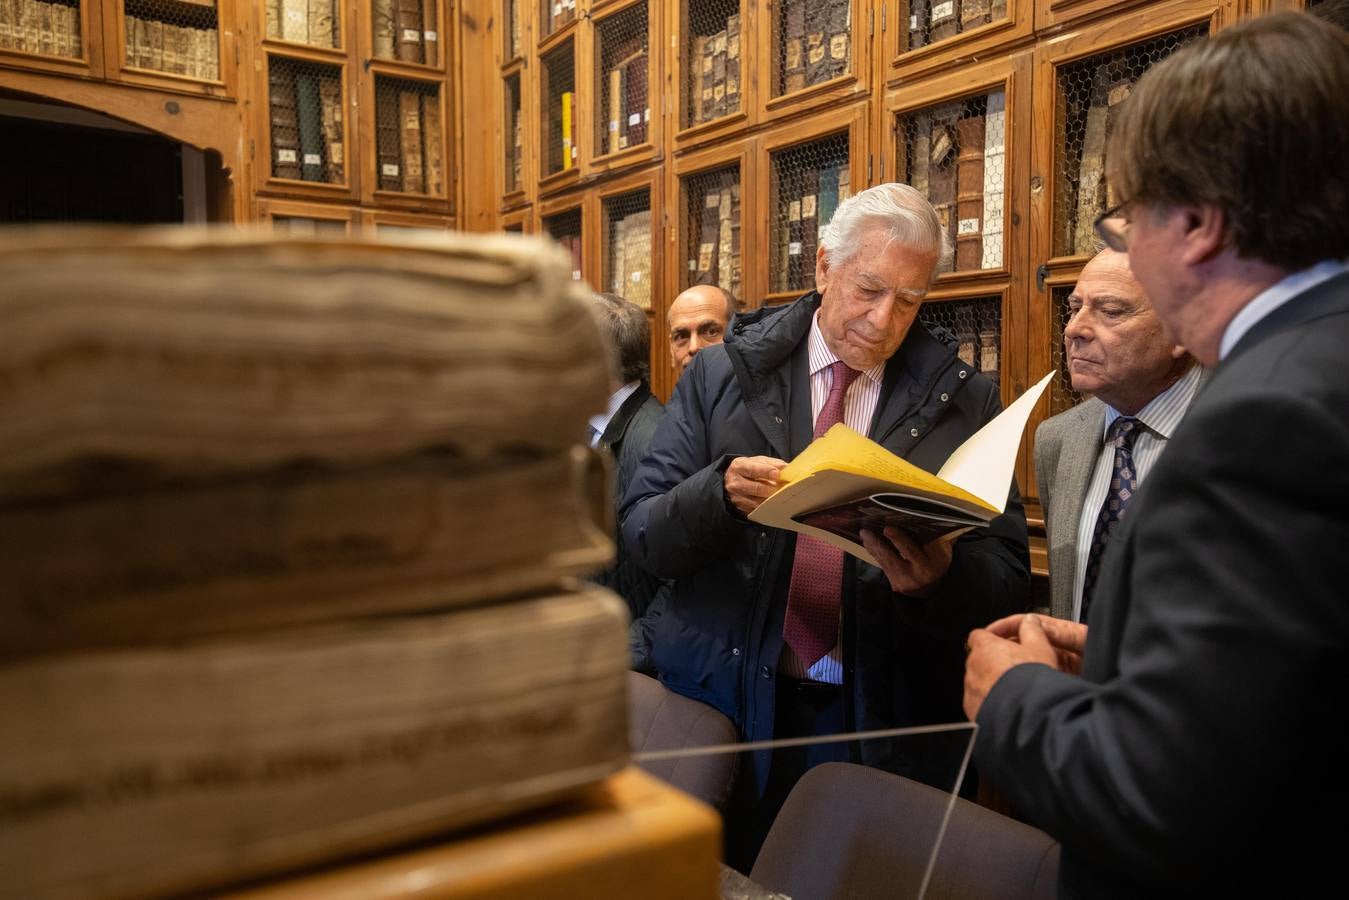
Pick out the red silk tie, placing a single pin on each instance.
(811, 626)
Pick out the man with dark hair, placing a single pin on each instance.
(1333, 11)
(1189, 746)
(625, 429)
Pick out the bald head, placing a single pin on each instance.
(697, 319)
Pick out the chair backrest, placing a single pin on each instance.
(851, 831)
(660, 719)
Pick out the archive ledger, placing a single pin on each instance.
(844, 483)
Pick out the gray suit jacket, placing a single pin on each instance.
(1066, 449)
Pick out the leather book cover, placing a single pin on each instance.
(698, 111)
(942, 159)
(410, 125)
(322, 23)
(334, 136)
(945, 20)
(295, 21)
(407, 30)
(708, 106)
(272, 12)
(839, 28)
(719, 74)
(382, 15)
(387, 141)
(794, 46)
(733, 63)
(431, 37)
(970, 193)
(285, 124)
(995, 175)
(709, 226)
(974, 13)
(310, 111)
(727, 216)
(636, 104)
(433, 137)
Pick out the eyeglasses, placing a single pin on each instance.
(1113, 228)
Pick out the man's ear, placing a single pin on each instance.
(1203, 232)
(821, 270)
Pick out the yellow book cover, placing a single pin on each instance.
(567, 142)
(844, 483)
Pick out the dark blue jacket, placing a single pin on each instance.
(720, 637)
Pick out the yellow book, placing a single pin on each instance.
(844, 483)
(568, 144)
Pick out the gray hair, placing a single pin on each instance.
(629, 333)
(901, 210)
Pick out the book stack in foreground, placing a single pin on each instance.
(287, 527)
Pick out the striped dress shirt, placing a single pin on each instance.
(859, 405)
(1159, 419)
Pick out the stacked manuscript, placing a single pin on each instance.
(313, 22)
(33, 26)
(714, 222)
(630, 257)
(814, 41)
(715, 67)
(286, 534)
(164, 47)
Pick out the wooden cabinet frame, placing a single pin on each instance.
(269, 209)
(364, 43)
(371, 193)
(262, 148)
(556, 206)
(976, 43)
(850, 120)
(521, 220)
(650, 148)
(853, 83)
(551, 183)
(510, 199)
(741, 154)
(371, 219)
(91, 63)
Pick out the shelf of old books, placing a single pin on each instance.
(712, 203)
(167, 42)
(804, 181)
(1084, 90)
(628, 241)
(814, 57)
(513, 134)
(409, 156)
(408, 31)
(934, 33)
(312, 23)
(50, 29)
(711, 69)
(954, 149)
(974, 325)
(306, 134)
(565, 225)
(554, 15)
(559, 130)
(623, 128)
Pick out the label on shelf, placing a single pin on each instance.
(693, 265)
(646, 116)
(575, 274)
(794, 248)
(838, 46)
(430, 36)
(286, 156)
(636, 277)
(794, 211)
(412, 36)
(968, 226)
(808, 207)
(634, 119)
(557, 10)
(613, 124)
(313, 159)
(913, 23)
(712, 201)
(390, 170)
(942, 11)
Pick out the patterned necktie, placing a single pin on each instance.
(811, 626)
(1123, 485)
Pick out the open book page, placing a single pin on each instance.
(983, 464)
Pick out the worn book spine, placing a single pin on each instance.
(942, 176)
(638, 257)
(431, 38)
(719, 51)
(794, 46)
(8, 18)
(76, 42)
(235, 758)
(309, 109)
(44, 28)
(974, 13)
(839, 31)
(810, 222)
(1091, 174)
(408, 30)
(434, 137)
(614, 127)
(708, 89)
(334, 132)
(731, 280)
(382, 16)
(169, 57)
(733, 63)
(617, 255)
(970, 193)
(295, 21)
(995, 175)
(1119, 89)
(410, 122)
(27, 30)
(388, 141)
(272, 12)
(726, 218)
(920, 153)
(945, 20)
(708, 228)
(817, 44)
(285, 124)
(568, 100)
(998, 10)
(636, 104)
(697, 53)
(322, 16)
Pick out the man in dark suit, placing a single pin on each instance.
(625, 429)
(1141, 383)
(1191, 744)
(783, 634)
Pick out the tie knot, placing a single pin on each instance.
(843, 375)
(1123, 431)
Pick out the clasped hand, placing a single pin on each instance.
(1018, 639)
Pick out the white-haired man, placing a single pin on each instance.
(780, 633)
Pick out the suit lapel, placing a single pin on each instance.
(1077, 459)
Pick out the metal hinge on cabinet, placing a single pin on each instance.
(883, 9)
(251, 148)
(1040, 275)
(871, 23)
(868, 169)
